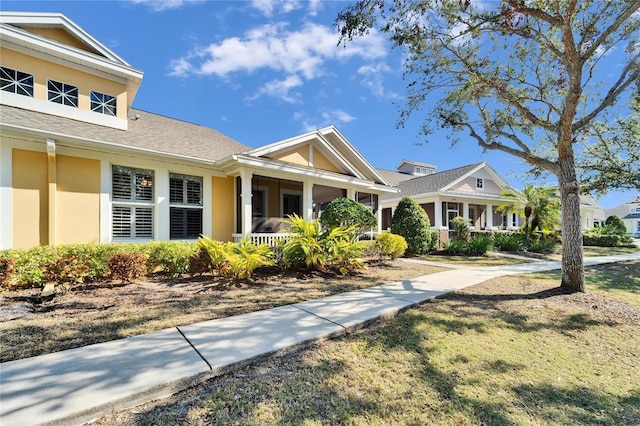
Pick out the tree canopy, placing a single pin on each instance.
(522, 77)
(539, 206)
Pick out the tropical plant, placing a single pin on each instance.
(527, 78)
(411, 221)
(245, 257)
(217, 251)
(539, 206)
(304, 247)
(345, 212)
(508, 241)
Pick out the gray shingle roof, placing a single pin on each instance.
(149, 132)
(431, 183)
(393, 177)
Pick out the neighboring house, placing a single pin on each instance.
(472, 191)
(629, 212)
(78, 164)
(591, 214)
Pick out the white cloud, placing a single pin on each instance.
(302, 53)
(372, 79)
(281, 89)
(271, 7)
(162, 5)
(334, 117)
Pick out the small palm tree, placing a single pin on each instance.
(540, 206)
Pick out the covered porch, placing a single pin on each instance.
(263, 200)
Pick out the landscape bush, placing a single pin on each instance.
(411, 221)
(479, 245)
(345, 212)
(390, 245)
(460, 229)
(311, 248)
(127, 267)
(67, 271)
(7, 271)
(596, 238)
(170, 258)
(614, 225)
(245, 257)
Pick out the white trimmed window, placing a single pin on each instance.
(185, 206)
(104, 104)
(480, 183)
(15, 81)
(62, 93)
(133, 203)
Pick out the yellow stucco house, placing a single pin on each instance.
(78, 164)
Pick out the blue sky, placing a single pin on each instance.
(263, 70)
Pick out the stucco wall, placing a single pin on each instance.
(222, 208)
(30, 198)
(77, 200)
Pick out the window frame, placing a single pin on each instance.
(480, 183)
(185, 206)
(101, 104)
(16, 82)
(66, 94)
(140, 204)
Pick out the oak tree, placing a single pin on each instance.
(519, 76)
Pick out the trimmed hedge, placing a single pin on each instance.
(607, 240)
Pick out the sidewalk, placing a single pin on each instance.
(78, 385)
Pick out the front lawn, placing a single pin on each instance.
(513, 350)
(101, 312)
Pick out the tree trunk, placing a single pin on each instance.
(572, 257)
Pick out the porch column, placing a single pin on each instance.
(52, 189)
(245, 196)
(465, 210)
(489, 216)
(379, 215)
(437, 207)
(351, 193)
(307, 200)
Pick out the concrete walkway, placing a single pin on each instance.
(78, 385)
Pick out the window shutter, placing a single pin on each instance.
(144, 187)
(144, 222)
(194, 222)
(121, 185)
(194, 192)
(121, 222)
(176, 190)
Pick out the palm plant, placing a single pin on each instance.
(540, 206)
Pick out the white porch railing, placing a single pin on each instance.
(268, 238)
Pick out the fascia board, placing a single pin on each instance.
(23, 40)
(355, 153)
(111, 147)
(463, 177)
(496, 177)
(234, 162)
(59, 20)
(295, 141)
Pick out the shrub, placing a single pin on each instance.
(344, 212)
(544, 244)
(200, 262)
(607, 240)
(479, 245)
(455, 247)
(127, 267)
(169, 257)
(94, 256)
(460, 229)
(66, 271)
(508, 241)
(390, 245)
(412, 222)
(7, 270)
(614, 225)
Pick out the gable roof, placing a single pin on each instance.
(331, 143)
(147, 132)
(95, 59)
(415, 163)
(434, 182)
(394, 177)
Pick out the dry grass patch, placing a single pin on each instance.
(102, 312)
(513, 350)
(475, 261)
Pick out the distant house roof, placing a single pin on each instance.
(588, 200)
(432, 183)
(393, 177)
(146, 132)
(415, 163)
(634, 200)
(631, 216)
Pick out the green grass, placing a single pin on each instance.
(508, 351)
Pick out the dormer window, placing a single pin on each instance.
(104, 104)
(15, 81)
(480, 183)
(62, 93)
